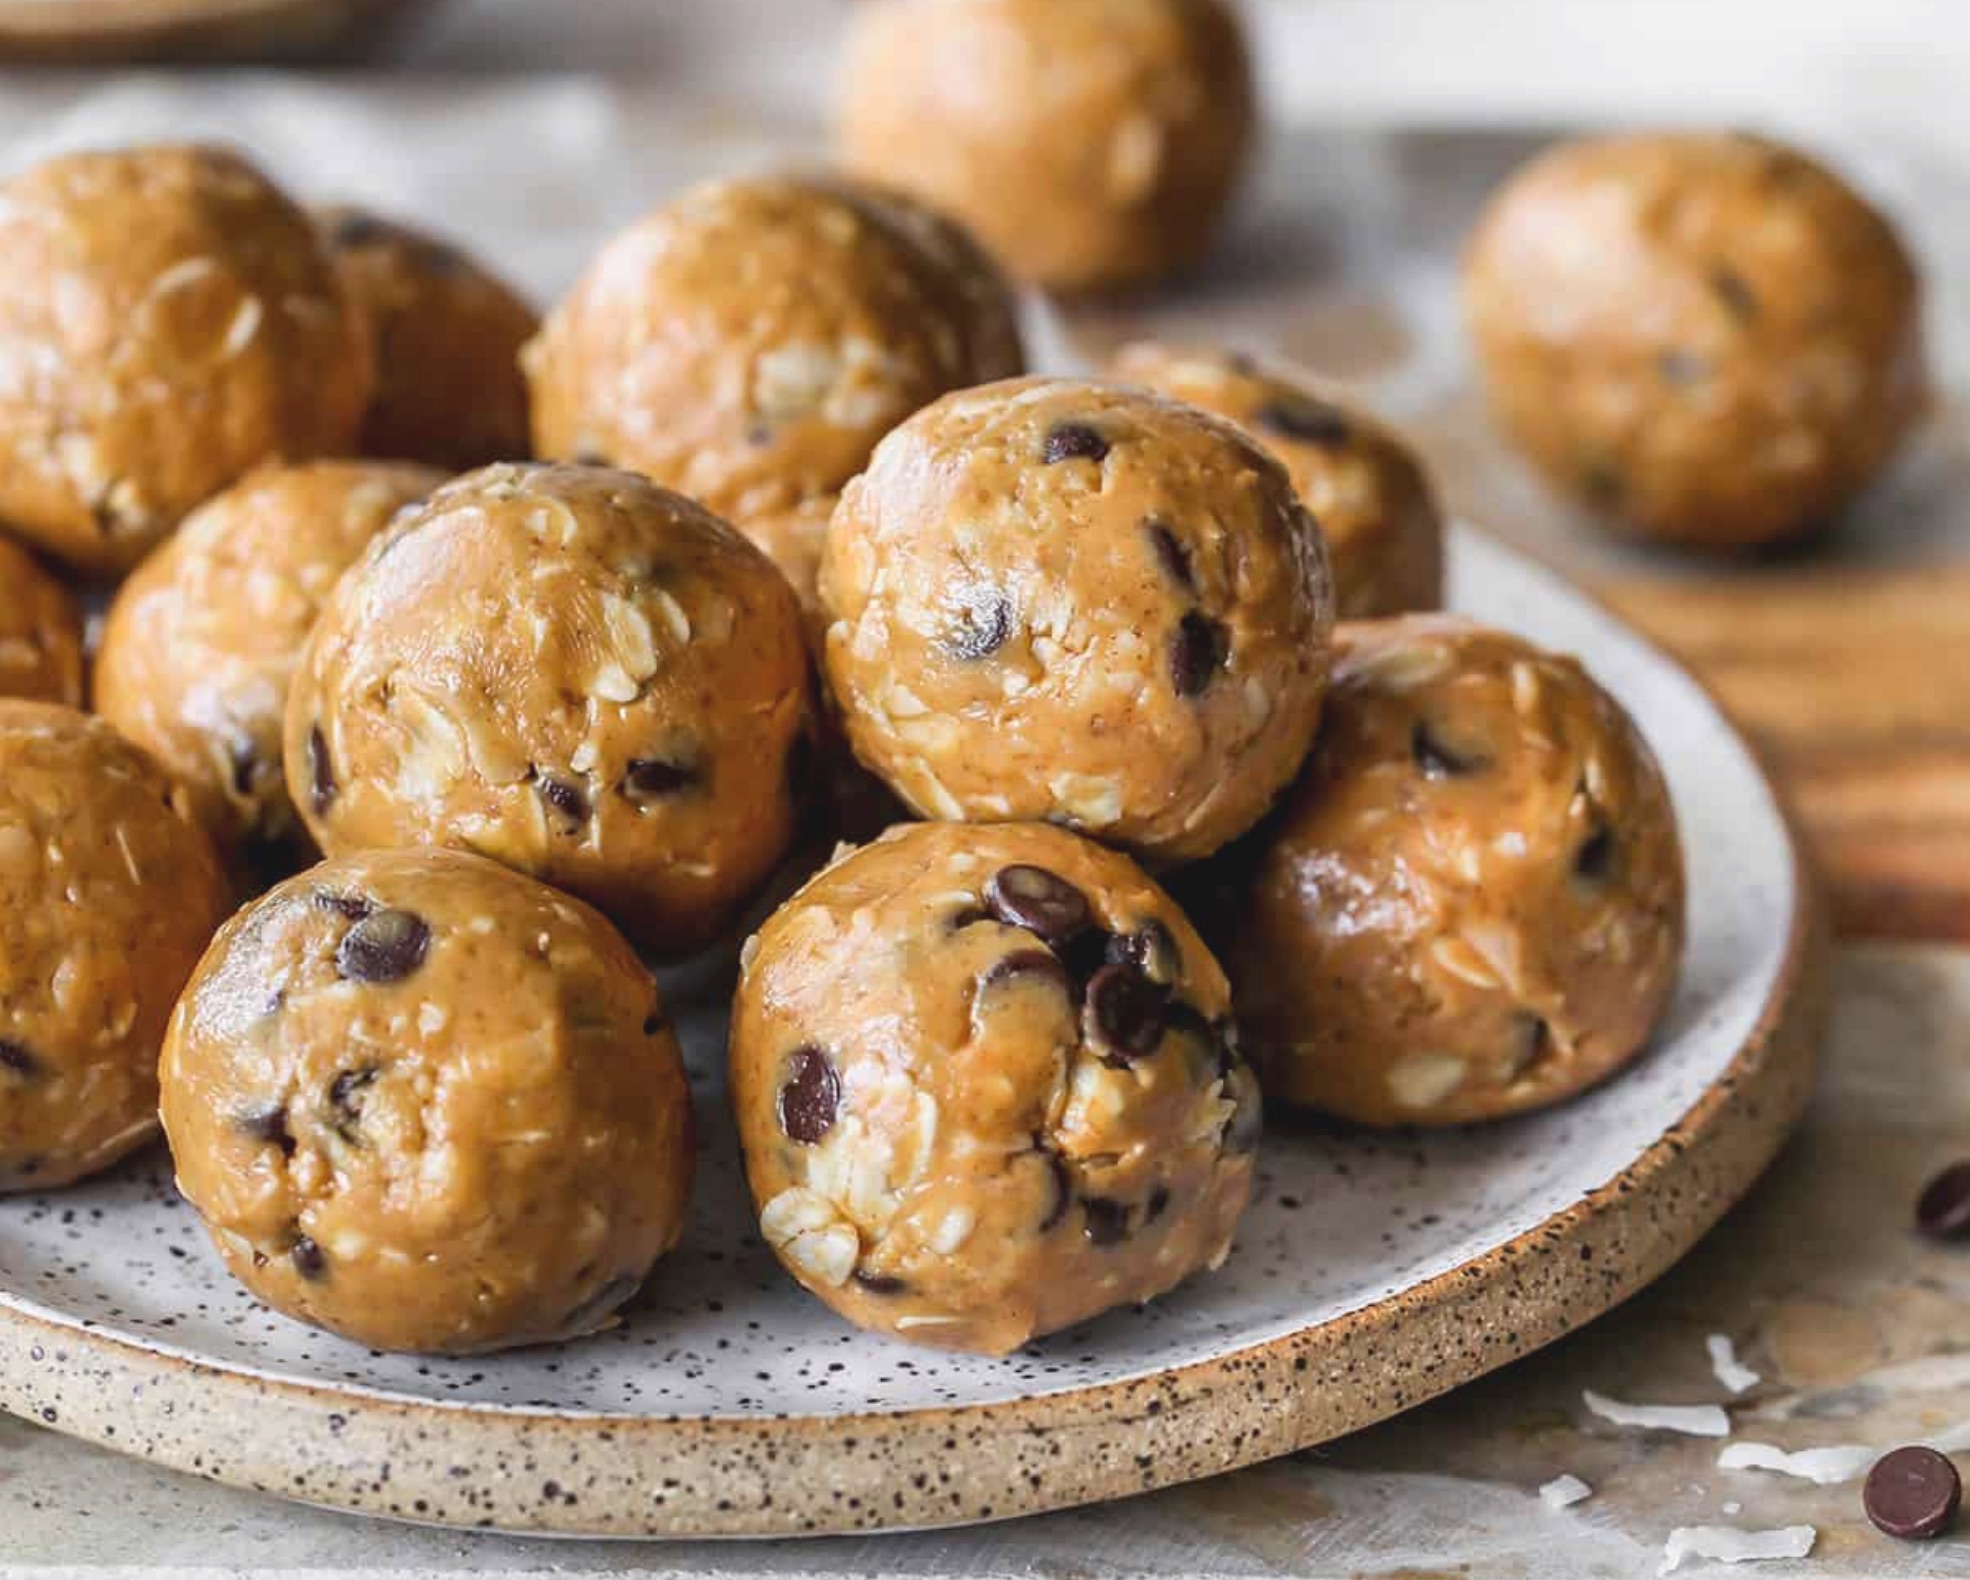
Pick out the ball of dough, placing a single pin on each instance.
(750, 342)
(447, 333)
(1090, 143)
(168, 320)
(107, 896)
(987, 1085)
(1080, 603)
(1471, 903)
(202, 640)
(40, 633)
(573, 671)
(1361, 482)
(429, 1104)
(1709, 339)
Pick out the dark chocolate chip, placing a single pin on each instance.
(1063, 1191)
(345, 1099)
(1912, 1493)
(353, 906)
(653, 778)
(1304, 418)
(308, 1259)
(1678, 366)
(1107, 1222)
(1170, 554)
(809, 1096)
(267, 1124)
(1150, 949)
(1159, 1203)
(1594, 860)
(384, 947)
(1197, 653)
(1074, 441)
(1735, 292)
(16, 1060)
(1942, 1211)
(1042, 902)
(984, 625)
(247, 763)
(354, 228)
(1125, 1013)
(1041, 965)
(1437, 758)
(879, 1283)
(564, 798)
(656, 1021)
(321, 773)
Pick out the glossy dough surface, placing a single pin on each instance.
(1471, 903)
(987, 1086)
(430, 1104)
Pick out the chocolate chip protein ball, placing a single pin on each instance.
(1709, 339)
(750, 342)
(1471, 903)
(447, 334)
(40, 633)
(1364, 485)
(570, 670)
(1081, 603)
(988, 1086)
(1090, 143)
(202, 640)
(429, 1104)
(107, 896)
(168, 321)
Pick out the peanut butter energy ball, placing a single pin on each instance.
(1471, 904)
(40, 633)
(573, 671)
(448, 334)
(1083, 603)
(1090, 143)
(107, 897)
(202, 640)
(750, 342)
(429, 1104)
(1709, 339)
(168, 320)
(988, 1086)
(1363, 484)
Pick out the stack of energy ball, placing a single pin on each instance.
(806, 550)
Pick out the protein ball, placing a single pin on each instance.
(1080, 603)
(748, 343)
(40, 633)
(1471, 903)
(429, 1104)
(107, 897)
(988, 1086)
(1709, 339)
(202, 640)
(1090, 144)
(448, 334)
(168, 320)
(573, 671)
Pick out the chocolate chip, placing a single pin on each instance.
(384, 947)
(879, 1283)
(357, 229)
(653, 778)
(1304, 418)
(1942, 1211)
(564, 798)
(1107, 1222)
(1197, 653)
(308, 1259)
(267, 1124)
(984, 625)
(810, 1096)
(1150, 949)
(1042, 902)
(353, 906)
(1912, 1493)
(1682, 367)
(1438, 759)
(1159, 1203)
(1074, 441)
(655, 1022)
(321, 773)
(1594, 860)
(1063, 1190)
(1170, 554)
(1125, 1013)
(16, 1060)
(1040, 965)
(345, 1100)
(247, 763)
(1735, 292)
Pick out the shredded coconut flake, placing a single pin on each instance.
(1731, 1371)
(1826, 1467)
(1697, 1420)
(1728, 1546)
(1564, 1491)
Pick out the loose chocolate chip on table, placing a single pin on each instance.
(1031, 964)
(321, 772)
(1150, 949)
(1594, 860)
(1170, 554)
(652, 778)
(810, 1095)
(879, 1283)
(564, 798)
(1126, 1013)
(1942, 1211)
(308, 1259)
(1042, 902)
(353, 906)
(1734, 292)
(267, 1124)
(1304, 418)
(1912, 1493)
(1197, 653)
(17, 1060)
(1107, 1222)
(1437, 758)
(984, 624)
(384, 947)
(1074, 441)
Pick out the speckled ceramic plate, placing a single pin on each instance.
(1370, 1274)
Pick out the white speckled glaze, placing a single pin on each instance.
(1370, 1273)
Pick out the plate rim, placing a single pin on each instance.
(1162, 1427)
